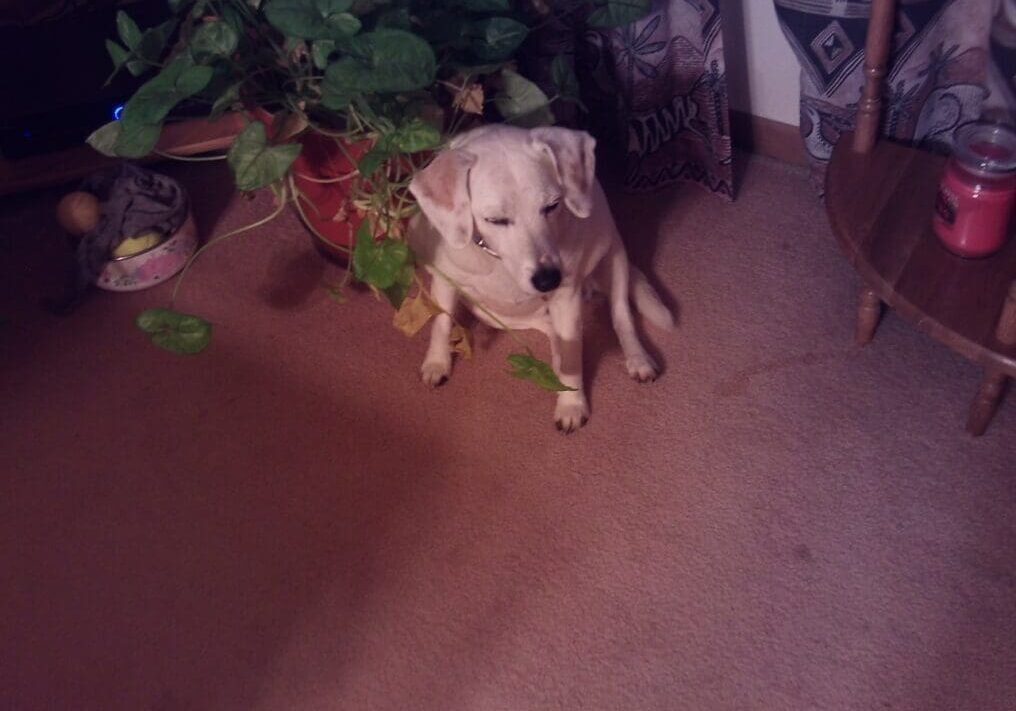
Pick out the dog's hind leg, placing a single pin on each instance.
(437, 364)
(639, 364)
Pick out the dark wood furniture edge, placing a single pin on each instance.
(969, 349)
(185, 138)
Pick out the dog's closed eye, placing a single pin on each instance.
(499, 221)
(547, 209)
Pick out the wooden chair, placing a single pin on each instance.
(880, 197)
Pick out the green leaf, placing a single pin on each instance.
(442, 27)
(174, 331)
(153, 41)
(130, 33)
(411, 137)
(563, 76)
(382, 264)
(117, 53)
(471, 69)
(617, 13)
(180, 80)
(414, 136)
(141, 122)
(213, 40)
(321, 51)
(397, 292)
(254, 162)
(225, 102)
(148, 51)
(104, 139)
(496, 38)
(313, 19)
(177, 5)
(136, 140)
(522, 103)
(525, 366)
(372, 160)
(384, 60)
(397, 18)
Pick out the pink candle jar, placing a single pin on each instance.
(978, 189)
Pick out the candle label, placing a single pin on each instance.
(945, 206)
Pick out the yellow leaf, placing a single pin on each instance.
(462, 341)
(414, 314)
(469, 99)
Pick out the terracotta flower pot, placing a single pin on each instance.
(325, 205)
(324, 175)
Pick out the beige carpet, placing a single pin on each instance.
(292, 521)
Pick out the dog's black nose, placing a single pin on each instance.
(547, 279)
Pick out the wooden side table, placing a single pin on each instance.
(880, 205)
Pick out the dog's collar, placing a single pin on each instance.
(478, 241)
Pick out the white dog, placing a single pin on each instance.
(516, 219)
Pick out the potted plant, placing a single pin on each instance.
(345, 100)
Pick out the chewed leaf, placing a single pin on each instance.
(414, 314)
(176, 332)
(461, 340)
(526, 366)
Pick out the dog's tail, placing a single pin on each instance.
(648, 302)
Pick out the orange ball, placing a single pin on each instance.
(78, 213)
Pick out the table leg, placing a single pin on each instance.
(869, 311)
(989, 395)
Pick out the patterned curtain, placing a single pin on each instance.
(655, 91)
(952, 62)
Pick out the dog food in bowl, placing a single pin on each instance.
(153, 265)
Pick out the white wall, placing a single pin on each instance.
(762, 73)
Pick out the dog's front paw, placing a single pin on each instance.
(436, 372)
(571, 413)
(642, 368)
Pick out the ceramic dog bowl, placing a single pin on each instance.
(152, 266)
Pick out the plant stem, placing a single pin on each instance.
(328, 181)
(296, 195)
(188, 159)
(190, 262)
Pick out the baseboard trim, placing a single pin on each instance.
(766, 137)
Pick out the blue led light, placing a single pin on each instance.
(117, 112)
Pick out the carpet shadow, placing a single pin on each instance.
(167, 564)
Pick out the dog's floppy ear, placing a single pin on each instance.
(442, 189)
(574, 157)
